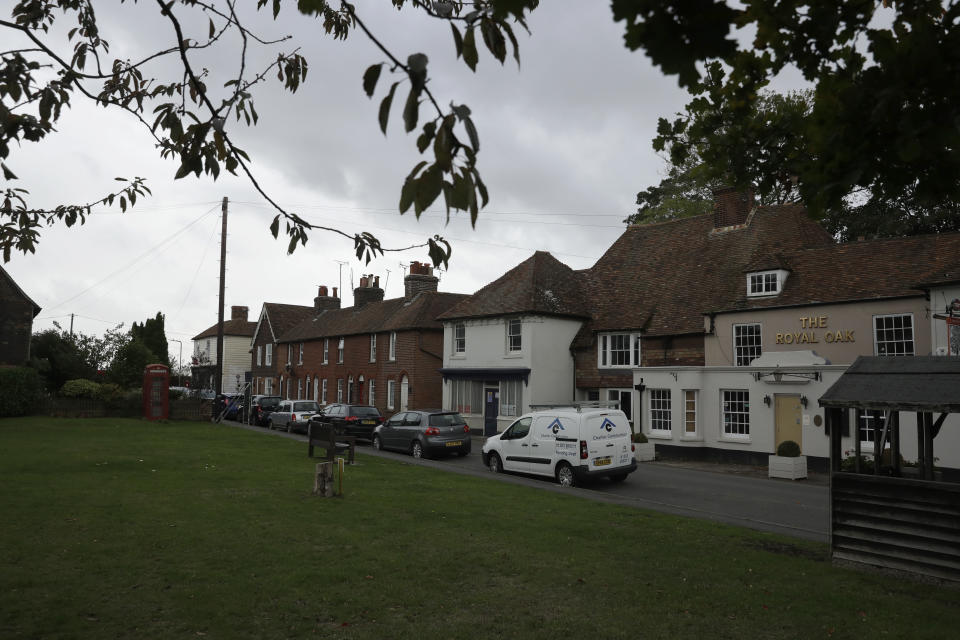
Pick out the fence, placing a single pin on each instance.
(180, 408)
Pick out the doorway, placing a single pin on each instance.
(491, 409)
(788, 417)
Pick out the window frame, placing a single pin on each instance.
(511, 398)
(511, 335)
(326, 350)
(764, 281)
(747, 348)
(392, 351)
(391, 389)
(605, 350)
(300, 354)
(259, 355)
(695, 434)
(372, 385)
(660, 412)
(268, 354)
(340, 349)
(876, 337)
(373, 347)
(459, 338)
(323, 391)
(727, 434)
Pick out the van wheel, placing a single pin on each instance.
(377, 444)
(494, 464)
(617, 478)
(416, 449)
(565, 475)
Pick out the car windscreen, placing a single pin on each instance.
(364, 411)
(269, 403)
(306, 406)
(445, 419)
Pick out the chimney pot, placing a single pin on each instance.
(239, 313)
(323, 291)
(335, 293)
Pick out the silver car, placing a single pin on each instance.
(424, 433)
(293, 415)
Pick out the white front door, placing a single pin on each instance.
(404, 393)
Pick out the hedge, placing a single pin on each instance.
(20, 391)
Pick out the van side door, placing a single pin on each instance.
(515, 446)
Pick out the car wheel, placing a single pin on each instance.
(618, 477)
(494, 464)
(416, 449)
(565, 475)
(377, 444)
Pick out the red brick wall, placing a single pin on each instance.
(680, 351)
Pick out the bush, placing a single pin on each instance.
(20, 391)
(80, 389)
(110, 392)
(788, 449)
(639, 438)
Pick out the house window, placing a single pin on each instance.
(308, 389)
(511, 397)
(660, 410)
(618, 350)
(316, 389)
(690, 412)
(392, 355)
(259, 355)
(459, 338)
(513, 334)
(624, 400)
(466, 397)
(373, 347)
(391, 388)
(893, 335)
(269, 356)
(289, 353)
(299, 389)
(323, 391)
(268, 386)
(300, 356)
(340, 350)
(764, 283)
(350, 390)
(869, 425)
(340, 390)
(373, 393)
(208, 349)
(736, 413)
(326, 350)
(746, 343)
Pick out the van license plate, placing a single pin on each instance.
(454, 444)
(600, 462)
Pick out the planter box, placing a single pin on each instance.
(789, 468)
(644, 451)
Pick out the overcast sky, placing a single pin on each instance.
(565, 147)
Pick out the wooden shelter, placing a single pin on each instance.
(883, 513)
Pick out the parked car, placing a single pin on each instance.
(571, 444)
(293, 415)
(261, 407)
(230, 406)
(424, 433)
(351, 419)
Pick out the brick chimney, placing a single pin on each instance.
(324, 301)
(731, 206)
(368, 291)
(239, 313)
(419, 279)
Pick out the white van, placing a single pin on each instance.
(569, 443)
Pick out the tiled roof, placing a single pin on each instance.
(863, 270)
(16, 287)
(540, 284)
(284, 317)
(662, 277)
(389, 315)
(230, 328)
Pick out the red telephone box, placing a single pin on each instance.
(156, 392)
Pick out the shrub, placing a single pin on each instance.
(80, 389)
(639, 438)
(788, 449)
(20, 391)
(110, 392)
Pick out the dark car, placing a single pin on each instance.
(230, 406)
(424, 433)
(261, 407)
(350, 419)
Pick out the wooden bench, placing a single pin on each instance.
(324, 437)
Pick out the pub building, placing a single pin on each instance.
(797, 321)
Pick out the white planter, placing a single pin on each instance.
(789, 468)
(644, 451)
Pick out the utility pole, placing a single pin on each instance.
(218, 384)
(71, 325)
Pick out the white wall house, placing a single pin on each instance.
(237, 334)
(507, 347)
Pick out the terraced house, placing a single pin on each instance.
(386, 353)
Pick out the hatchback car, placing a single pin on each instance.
(293, 415)
(351, 419)
(424, 433)
(261, 407)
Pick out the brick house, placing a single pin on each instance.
(17, 312)
(386, 353)
(237, 332)
(275, 319)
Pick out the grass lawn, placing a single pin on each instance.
(120, 528)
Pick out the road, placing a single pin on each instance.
(794, 508)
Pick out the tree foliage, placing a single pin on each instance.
(151, 333)
(886, 96)
(193, 120)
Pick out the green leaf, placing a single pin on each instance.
(513, 41)
(494, 40)
(429, 130)
(213, 30)
(411, 110)
(428, 189)
(470, 50)
(384, 114)
(370, 77)
(457, 39)
(275, 225)
(183, 171)
(407, 194)
(7, 174)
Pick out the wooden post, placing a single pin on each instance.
(323, 480)
(895, 442)
(928, 446)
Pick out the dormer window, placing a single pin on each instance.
(765, 283)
